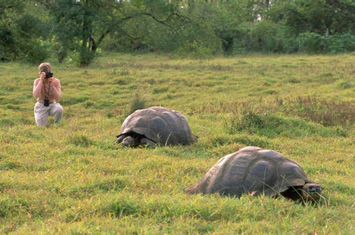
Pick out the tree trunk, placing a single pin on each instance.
(85, 54)
(326, 40)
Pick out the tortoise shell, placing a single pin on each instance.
(253, 170)
(160, 125)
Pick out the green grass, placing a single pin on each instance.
(73, 178)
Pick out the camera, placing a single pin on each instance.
(49, 74)
(46, 102)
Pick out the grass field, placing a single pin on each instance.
(72, 178)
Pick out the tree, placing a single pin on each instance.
(313, 22)
(21, 32)
(82, 25)
(7, 37)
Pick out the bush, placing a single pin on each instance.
(193, 50)
(37, 52)
(267, 36)
(264, 36)
(136, 103)
(84, 57)
(322, 111)
(7, 43)
(341, 43)
(310, 42)
(272, 125)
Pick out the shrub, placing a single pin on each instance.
(310, 42)
(136, 103)
(37, 52)
(194, 50)
(272, 125)
(7, 43)
(341, 43)
(325, 112)
(252, 140)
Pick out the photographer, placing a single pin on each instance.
(47, 91)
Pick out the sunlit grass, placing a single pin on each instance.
(73, 178)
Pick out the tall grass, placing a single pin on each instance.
(73, 178)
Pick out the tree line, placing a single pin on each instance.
(33, 30)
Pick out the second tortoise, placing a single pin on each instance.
(155, 126)
(253, 170)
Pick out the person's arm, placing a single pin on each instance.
(38, 84)
(37, 88)
(56, 90)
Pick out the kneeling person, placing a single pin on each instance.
(47, 90)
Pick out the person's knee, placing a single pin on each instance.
(60, 109)
(42, 122)
(58, 113)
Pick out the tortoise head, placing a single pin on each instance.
(311, 192)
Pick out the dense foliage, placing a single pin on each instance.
(79, 29)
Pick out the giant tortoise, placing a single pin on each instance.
(253, 170)
(155, 126)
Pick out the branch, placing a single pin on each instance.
(164, 21)
(11, 6)
(129, 36)
(102, 37)
(96, 44)
(47, 3)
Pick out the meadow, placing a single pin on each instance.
(72, 178)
